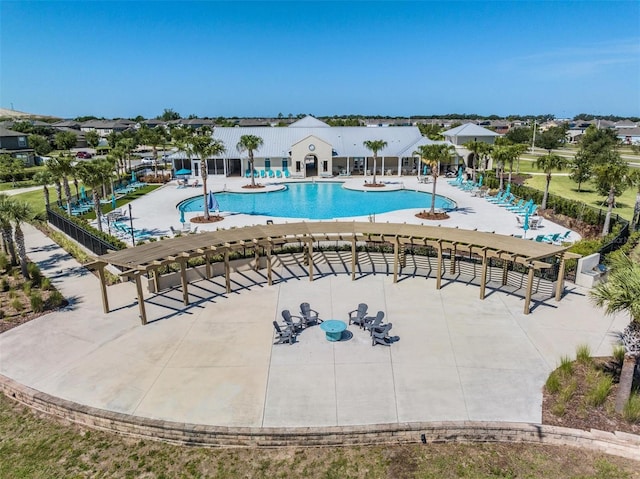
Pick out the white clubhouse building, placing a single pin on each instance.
(310, 147)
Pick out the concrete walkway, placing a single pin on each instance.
(456, 358)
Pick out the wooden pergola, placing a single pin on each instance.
(146, 259)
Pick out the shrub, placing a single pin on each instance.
(618, 355)
(559, 408)
(34, 273)
(16, 304)
(1, 314)
(568, 391)
(553, 383)
(566, 366)
(56, 299)
(4, 285)
(45, 284)
(583, 354)
(597, 395)
(631, 411)
(4, 261)
(26, 287)
(37, 303)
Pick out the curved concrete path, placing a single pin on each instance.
(214, 363)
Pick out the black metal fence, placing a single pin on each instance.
(616, 242)
(84, 237)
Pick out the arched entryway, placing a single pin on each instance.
(311, 165)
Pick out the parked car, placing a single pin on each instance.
(84, 154)
(147, 161)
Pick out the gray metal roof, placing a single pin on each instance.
(470, 129)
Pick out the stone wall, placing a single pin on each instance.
(618, 443)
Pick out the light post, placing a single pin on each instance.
(133, 238)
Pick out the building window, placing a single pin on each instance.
(22, 141)
(267, 163)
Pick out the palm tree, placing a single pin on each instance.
(44, 178)
(6, 203)
(621, 293)
(375, 146)
(182, 138)
(205, 147)
(19, 212)
(548, 163)
(94, 174)
(433, 156)
(250, 143)
(61, 168)
(475, 147)
(611, 179)
(634, 180)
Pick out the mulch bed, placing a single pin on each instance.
(374, 185)
(202, 219)
(426, 215)
(580, 415)
(253, 187)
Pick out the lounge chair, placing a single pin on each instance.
(517, 206)
(552, 238)
(278, 174)
(371, 322)
(287, 174)
(196, 183)
(309, 316)
(174, 231)
(284, 334)
(380, 335)
(357, 315)
(293, 325)
(247, 174)
(263, 174)
(271, 175)
(495, 199)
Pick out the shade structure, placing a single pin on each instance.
(113, 201)
(183, 171)
(182, 220)
(212, 202)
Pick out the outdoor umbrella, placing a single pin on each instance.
(133, 176)
(525, 224)
(480, 181)
(182, 220)
(212, 202)
(113, 201)
(83, 193)
(183, 172)
(508, 189)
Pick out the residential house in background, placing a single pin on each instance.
(16, 144)
(462, 134)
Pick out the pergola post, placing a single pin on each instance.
(453, 259)
(185, 283)
(505, 271)
(527, 300)
(103, 286)
(439, 271)
(396, 249)
(354, 257)
(269, 279)
(156, 281)
(483, 277)
(143, 312)
(560, 280)
(227, 271)
(207, 266)
(256, 256)
(310, 258)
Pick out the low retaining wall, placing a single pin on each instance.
(618, 443)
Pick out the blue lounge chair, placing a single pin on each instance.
(270, 173)
(495, 199)
(517, 206)
(247, 174)
(287, 174)
(263, 174)
(278, 174)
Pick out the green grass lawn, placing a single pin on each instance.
(567, 188)
(36, 446)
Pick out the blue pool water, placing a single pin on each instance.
(319, 201)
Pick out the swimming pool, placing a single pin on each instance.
(319, 201)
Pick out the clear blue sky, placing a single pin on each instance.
(122, 59)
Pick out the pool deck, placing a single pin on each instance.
(157, 211)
